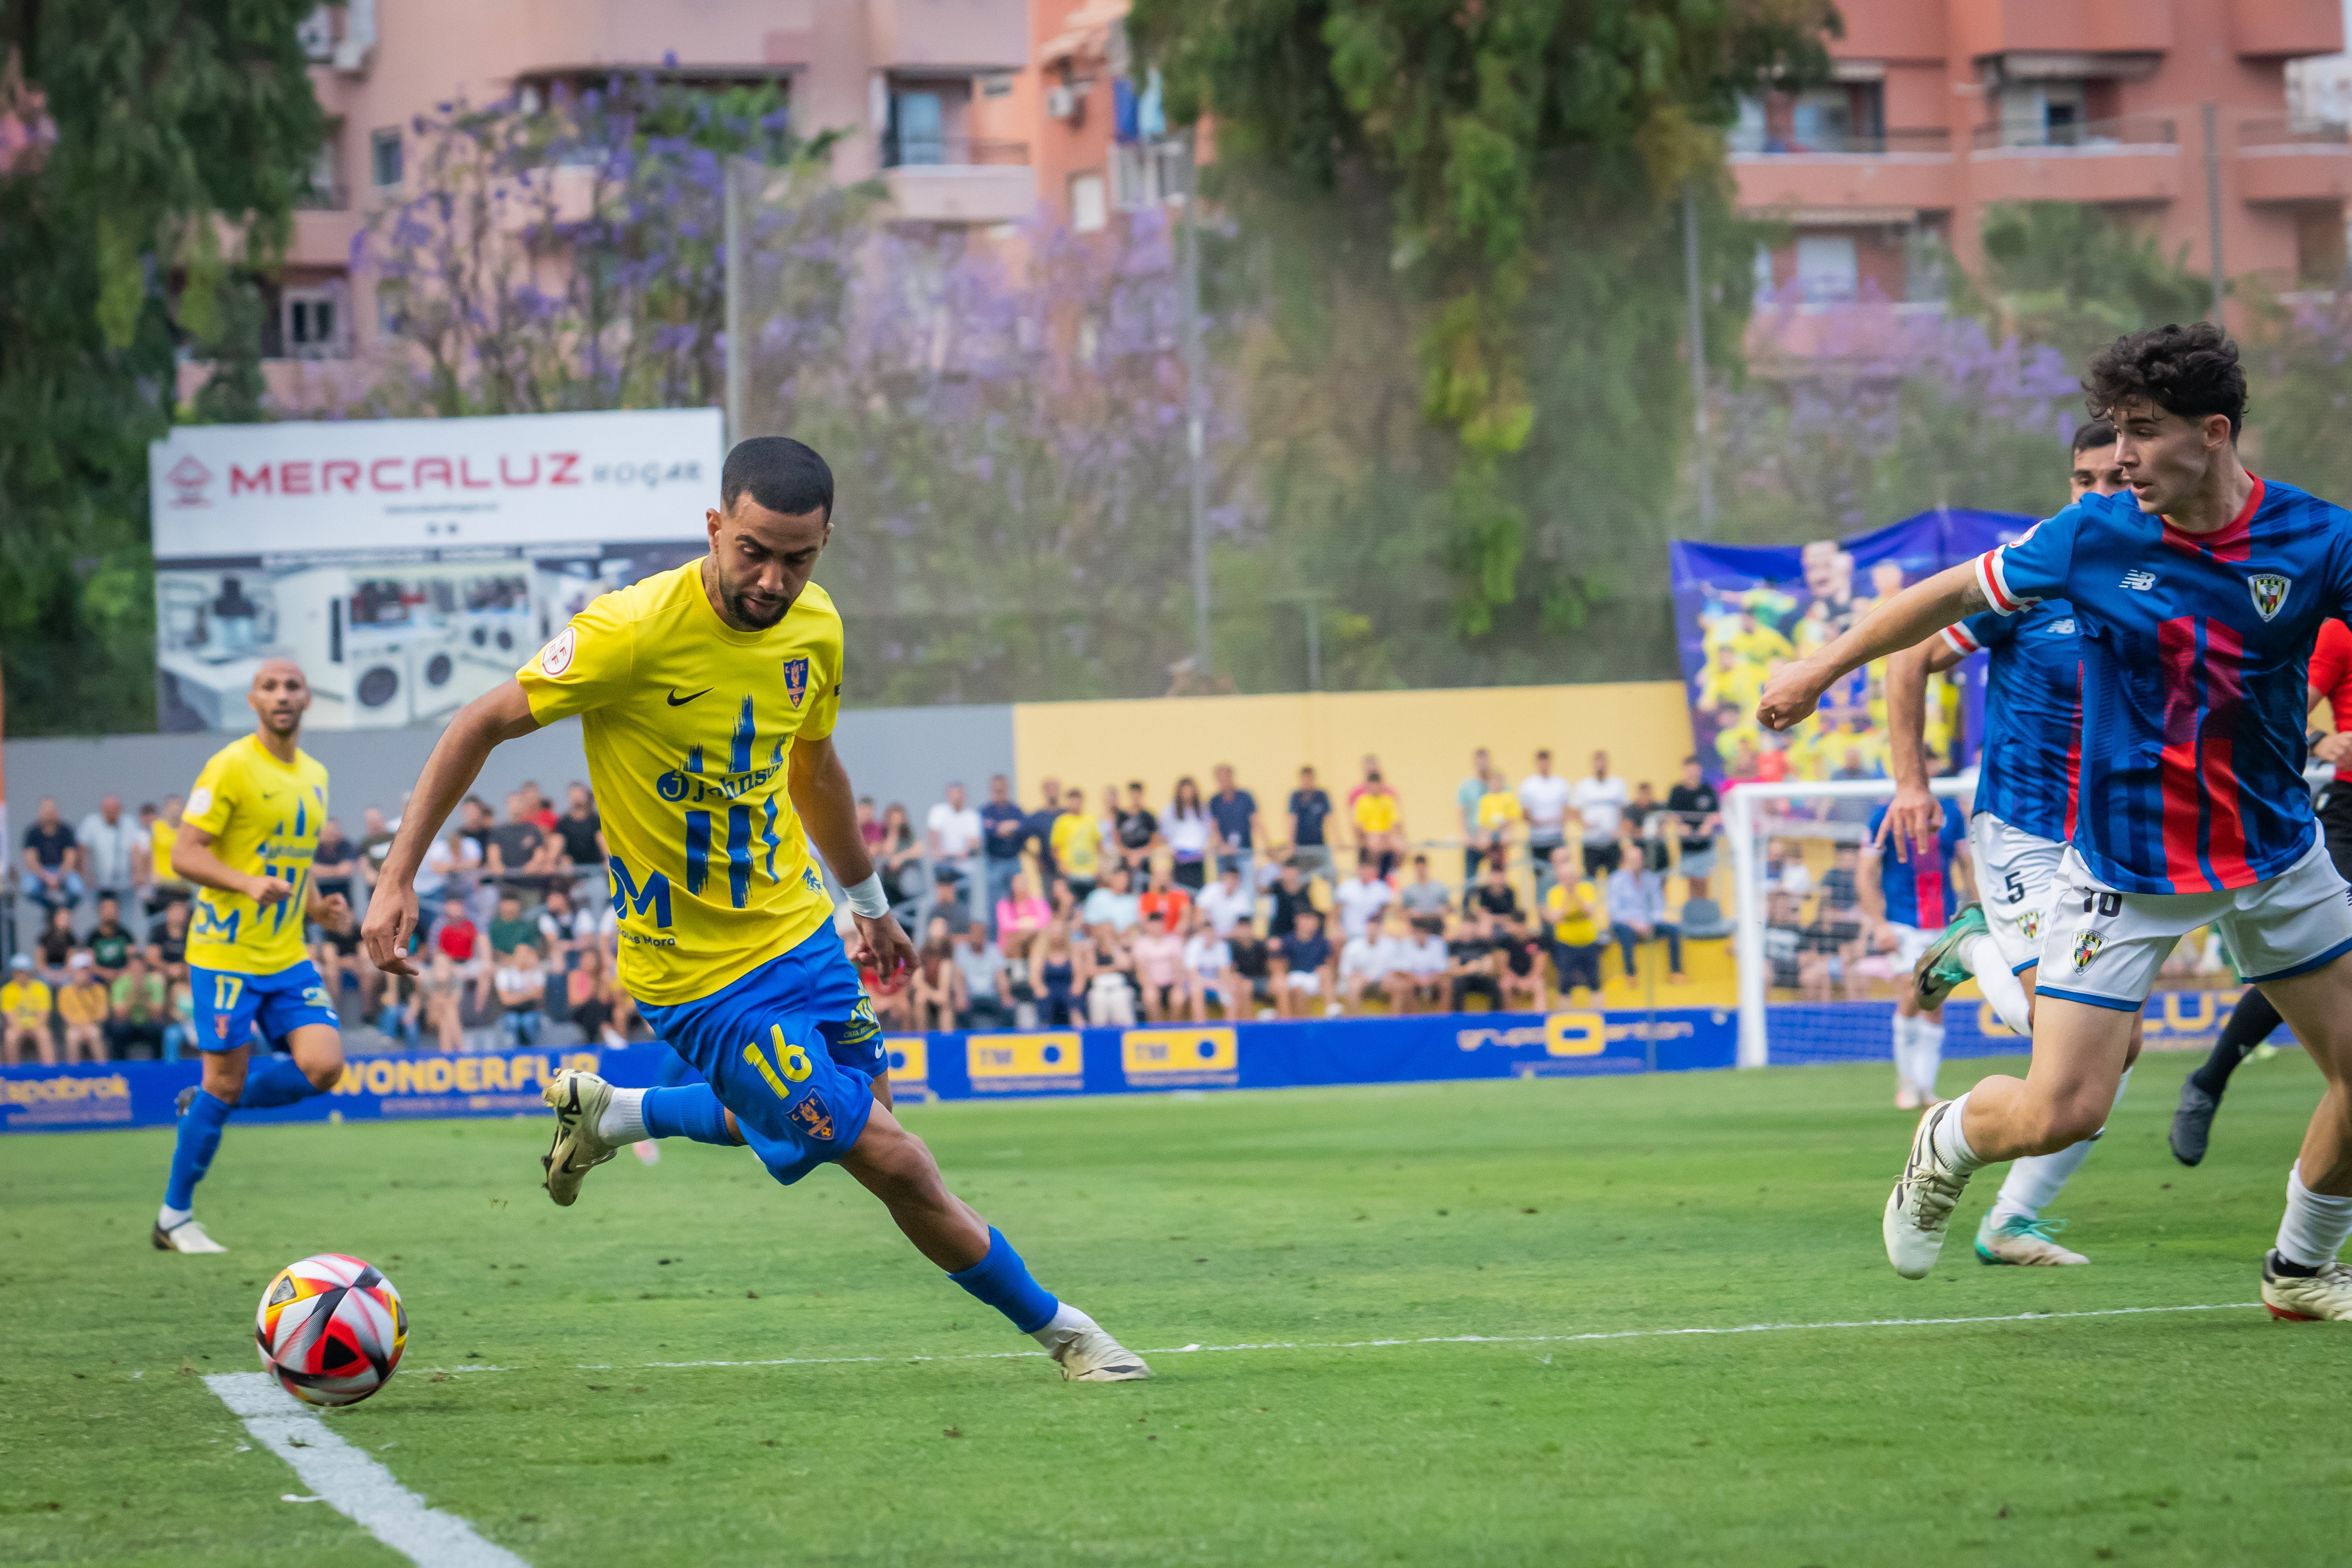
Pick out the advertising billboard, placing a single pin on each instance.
(408, 565)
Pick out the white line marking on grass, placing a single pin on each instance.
(1485, 1339)
(353, 1483)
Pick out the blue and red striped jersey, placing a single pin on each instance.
(2025, 774)
(2193, 652)
(1918, 892)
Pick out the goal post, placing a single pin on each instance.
(1748, 818)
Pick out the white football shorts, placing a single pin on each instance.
(2017, 877)
(2104, 947)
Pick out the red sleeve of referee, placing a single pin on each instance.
(2331, 670)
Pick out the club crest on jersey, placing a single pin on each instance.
(556, 657)
(2270, 591)
(2029, 925)
(797, 679)
(2086, 948)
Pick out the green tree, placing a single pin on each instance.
(2072, 277)
(143, 130)
(1519, 165)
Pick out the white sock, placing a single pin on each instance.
(1927, 1054)
(167, 1216)
(1065, 1319)
(2315, 1225)
(2035, 1181)
(1902, 1050)
(1952, 1143)
(2006, 992)
(624, 1120)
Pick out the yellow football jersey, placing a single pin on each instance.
(687, 724)
(264, 816)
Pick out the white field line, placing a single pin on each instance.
(1433, 1339)
(350, 1480)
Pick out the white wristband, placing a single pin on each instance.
(867, 897)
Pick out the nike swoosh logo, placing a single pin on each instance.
(677, 702)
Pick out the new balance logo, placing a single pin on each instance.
(2140, 581)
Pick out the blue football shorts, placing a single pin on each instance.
(792, 1048)
(230, 1005)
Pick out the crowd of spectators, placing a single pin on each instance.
(1121, 910)
(1110, 911)
(514, 934)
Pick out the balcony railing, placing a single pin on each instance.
(1751, 143)
(903, 151)
(2131, 131)
(317, 196)
(2292, 133)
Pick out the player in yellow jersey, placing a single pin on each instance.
(707, 697)
(246, 841)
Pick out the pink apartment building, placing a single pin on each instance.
(910, 81)
(1942, 107)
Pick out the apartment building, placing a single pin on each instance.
(911, 81)
(1939, 109)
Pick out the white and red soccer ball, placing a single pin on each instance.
(331, 1329)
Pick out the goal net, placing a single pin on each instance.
(1803, 949)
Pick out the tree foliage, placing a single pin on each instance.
(142, 133)
(1523, 161)
(570, 256)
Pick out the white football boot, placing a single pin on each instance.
(1086, 1353)
(188, 1236)
(1919, 1210)
(2022, 1240)
(2324, 1297)
(579, 1100)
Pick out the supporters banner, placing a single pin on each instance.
(408, 565)
(1156, 1058)
(1741, 610)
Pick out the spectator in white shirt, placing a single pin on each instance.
(1227, 903)
(988, 994)
(1361, 898)
(1418, 971)
(106, 839)
(1544, 801)
(1365, 964)
(1209, 965)
(1600, 803)
(955, 832)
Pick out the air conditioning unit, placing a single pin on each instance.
(316, 34)
(1064, 102)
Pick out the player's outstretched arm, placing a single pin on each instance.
(821, 792)
(193, 860)
(1915, 816)
(480, 728)
(1912, 615)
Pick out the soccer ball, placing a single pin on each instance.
(331, 1329)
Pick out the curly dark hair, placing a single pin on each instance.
(2191, 371)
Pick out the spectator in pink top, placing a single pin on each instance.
(1022, 912)
(1159, 970)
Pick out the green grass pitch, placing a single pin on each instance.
(1315, 1218)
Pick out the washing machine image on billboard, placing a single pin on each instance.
(377, 644)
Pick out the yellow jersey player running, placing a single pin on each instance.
(246, 841)
(707, 697)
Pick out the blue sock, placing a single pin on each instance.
(1002, 1281)
(279, 1083)
(690, 1110)
(191, 1156)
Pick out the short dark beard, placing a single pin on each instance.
(736, 611)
